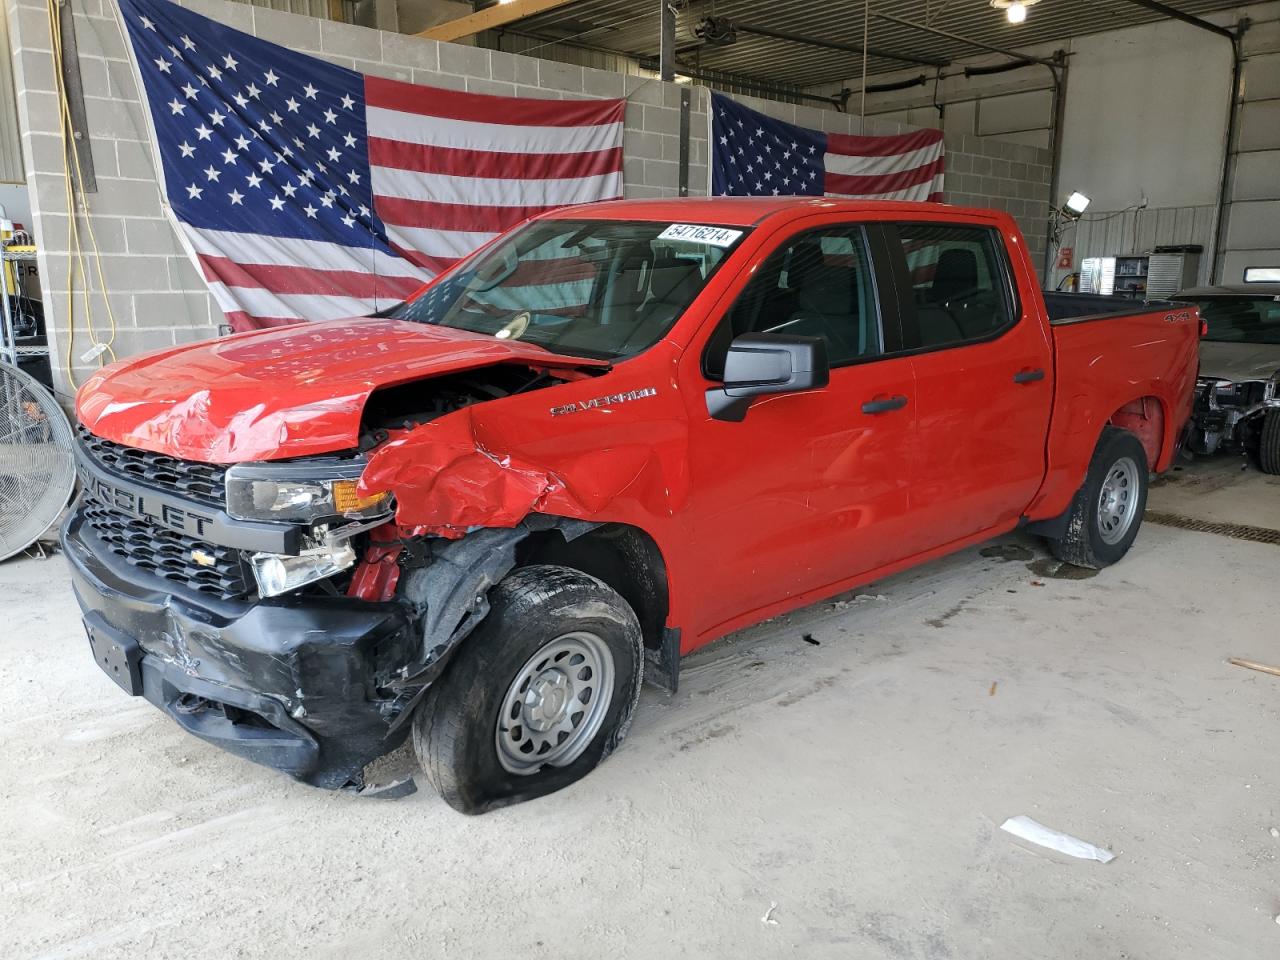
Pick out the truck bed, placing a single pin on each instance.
(1110, 373)
(1083, 307)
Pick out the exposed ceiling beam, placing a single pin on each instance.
(1167, 11)
(766, 88)
(490, 18)
(844, 47)
(957, 38)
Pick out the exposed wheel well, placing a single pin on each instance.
(624, 557)
(1145, 419)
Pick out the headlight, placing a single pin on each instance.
(301, 492)
(277, 574)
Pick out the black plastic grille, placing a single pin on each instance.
(203, 482)
(167, 553)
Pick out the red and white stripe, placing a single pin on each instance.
(452, 170)
(261, 281)
(903, 167)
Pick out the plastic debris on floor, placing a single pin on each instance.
(1035, 832)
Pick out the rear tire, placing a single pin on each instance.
(1105, 515)
(537, 696)
(1269, 444)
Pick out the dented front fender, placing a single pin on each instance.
(601, 449)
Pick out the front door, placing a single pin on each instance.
(811, 488)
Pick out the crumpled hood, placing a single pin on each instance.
(1238, 362)
(285, 392)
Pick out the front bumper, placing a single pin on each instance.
(296, 683)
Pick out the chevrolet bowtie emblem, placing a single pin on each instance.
(203, 557)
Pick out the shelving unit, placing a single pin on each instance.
(11, 345)
(1115, 276)
(1131, 277)
(1141, 276)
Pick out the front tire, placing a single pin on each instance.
(1269, 443)
(1106, 513)
(537, 696)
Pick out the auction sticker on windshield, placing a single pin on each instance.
(696, 233)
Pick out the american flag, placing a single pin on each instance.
(754, 155)
(309, 191)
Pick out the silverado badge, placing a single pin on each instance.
(609, 401)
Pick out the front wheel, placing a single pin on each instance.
(537, 696)
(1107, 511)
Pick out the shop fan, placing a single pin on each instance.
(37, 467)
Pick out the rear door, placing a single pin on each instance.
(811, 488)
(984, 380)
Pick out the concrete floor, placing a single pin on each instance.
(850, 789)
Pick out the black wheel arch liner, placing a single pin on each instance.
(451, 594)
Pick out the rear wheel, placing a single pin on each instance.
(1269, 443)
(540, 694)
(1107, 511)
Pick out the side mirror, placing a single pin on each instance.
(759, 364)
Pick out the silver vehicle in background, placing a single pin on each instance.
(1238, 390)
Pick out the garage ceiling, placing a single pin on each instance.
(631, 27)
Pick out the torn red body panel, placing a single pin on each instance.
(379, 570)
(446, 482)
(493, 464)
(284, 392)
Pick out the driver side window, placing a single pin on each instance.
(956, 282)
(817, 284)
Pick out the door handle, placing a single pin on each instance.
(1028, 376)
(885, 405)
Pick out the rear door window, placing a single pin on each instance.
(958, 278)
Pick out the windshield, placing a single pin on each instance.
(593, 288)
(1241, 319)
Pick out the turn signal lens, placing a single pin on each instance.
(347, 501)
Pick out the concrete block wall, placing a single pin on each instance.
(157, 298)
(1013, 177)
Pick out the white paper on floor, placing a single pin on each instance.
(1037, 833)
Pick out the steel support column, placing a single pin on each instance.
(667, 41)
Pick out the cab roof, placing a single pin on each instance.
(741, 211)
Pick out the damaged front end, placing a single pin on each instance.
(276, 609)
(179, 608)
(1229, 414)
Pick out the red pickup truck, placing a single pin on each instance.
(606, 439)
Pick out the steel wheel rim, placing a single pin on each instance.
(1118, 500)
(556, 704)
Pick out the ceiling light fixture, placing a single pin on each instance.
(1014, 10)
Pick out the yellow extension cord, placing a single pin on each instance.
(75, 252)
